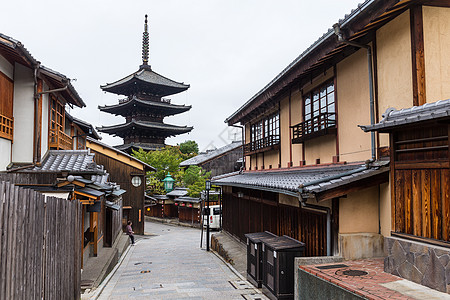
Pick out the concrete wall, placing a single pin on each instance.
(359, 212)
(436, 34)
(296, 117)
(323, 147)
(22, 149)
(270, 158)
(394, 66)
(353, 107)
(5, 153)
(285, 132)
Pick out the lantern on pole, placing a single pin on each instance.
(168, 183)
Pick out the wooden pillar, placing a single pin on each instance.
(418, 56)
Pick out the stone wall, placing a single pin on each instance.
(422, 263)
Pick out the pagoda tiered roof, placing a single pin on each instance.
(127, 147)
(145, 80)
(160, 129)
(165, 108)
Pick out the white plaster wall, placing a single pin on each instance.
(6, 68)
(22, 150)
(5, 153)
(45, 125)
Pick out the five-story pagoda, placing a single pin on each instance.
(144, 108)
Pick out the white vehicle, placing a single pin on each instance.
(215, 213)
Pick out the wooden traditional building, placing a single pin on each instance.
(129, 173)
(218, 161)
(310, 172)
(33, 98)
(420, 192)
(144, 107)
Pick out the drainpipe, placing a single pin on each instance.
(337, 31)
(242, 137)
(36, 113)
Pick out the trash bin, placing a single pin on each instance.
(278, 265)
(254, 255)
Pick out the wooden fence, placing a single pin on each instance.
(39, 245)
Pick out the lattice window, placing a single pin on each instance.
(319, 101)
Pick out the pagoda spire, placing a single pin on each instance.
(145, 44)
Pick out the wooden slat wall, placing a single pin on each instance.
(258, 211)
(421, 177)
(422, 202)
(39, 245)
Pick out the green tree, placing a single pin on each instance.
(167, 160)
(194, 179)
(189, 147)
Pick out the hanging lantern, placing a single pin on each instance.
(168, 183)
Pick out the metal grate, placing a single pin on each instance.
(354, 273)
(332, 267)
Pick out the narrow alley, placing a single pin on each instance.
(168, 263)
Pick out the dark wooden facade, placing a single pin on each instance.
(421, 181)
(258, 211)
(122, 173)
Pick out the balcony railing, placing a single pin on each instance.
(265, 144)
(6, 127)
(60, 141)
(322, 124)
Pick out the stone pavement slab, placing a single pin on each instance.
(171, 265)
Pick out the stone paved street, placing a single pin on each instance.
(171, 265)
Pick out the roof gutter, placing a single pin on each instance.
(259, 188)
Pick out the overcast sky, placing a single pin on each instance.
(226, 50)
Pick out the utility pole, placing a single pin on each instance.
(207, 188)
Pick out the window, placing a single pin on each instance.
(264, 133)
(58, 139)
(266, 128)
(319, 108)
(6, 107)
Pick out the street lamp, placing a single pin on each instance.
(207, 188)
(168, 183)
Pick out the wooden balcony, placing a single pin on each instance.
(6, 127)
(320, 125)
(60, 141)
(268, 143)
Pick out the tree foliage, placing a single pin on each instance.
(189, 147)
(167, 160)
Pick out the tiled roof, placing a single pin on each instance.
(160, 127)
(427, 112)
(149, 80)
(210, 154)
(136, 146)
(188, 199)
(178, 192)
(304, 180)
(171, 109)
(16, 51)
(74, 161)
(120, 151)
(85, 126)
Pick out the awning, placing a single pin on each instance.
(320, 183)
(112, 205)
